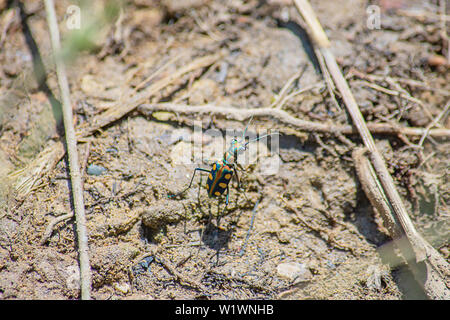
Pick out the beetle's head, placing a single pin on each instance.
(239, 146)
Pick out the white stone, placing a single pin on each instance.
(122, 287)
(294, 271)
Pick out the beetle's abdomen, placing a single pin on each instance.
(218, 179)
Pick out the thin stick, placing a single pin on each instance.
(279, 104)
(433, 123)
(75, 176)
(157, 72)
(400, 94)
(180, 277)
(392, 80)
(326, 75)
(374, 191)
(287, 119)
(284, 90)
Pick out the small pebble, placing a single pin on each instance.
(143, 266)
(112, 150)
(95, 170)
(294, 271)
(330, 264)
(122, 287)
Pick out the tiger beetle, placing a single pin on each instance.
(223, 170)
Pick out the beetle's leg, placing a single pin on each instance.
(236, 168)
(190, 184)
(208, 161)
(228, 193)
(240, 167)
(239, 185)
(199, 189)
(237, 178)
(226, 205)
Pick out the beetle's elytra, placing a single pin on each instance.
(219, 178)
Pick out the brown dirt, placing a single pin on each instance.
(312, 212)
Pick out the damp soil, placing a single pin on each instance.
(303, 231)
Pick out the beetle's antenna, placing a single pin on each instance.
(245, 131)
(259, 138)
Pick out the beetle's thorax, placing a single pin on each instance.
(231, 155)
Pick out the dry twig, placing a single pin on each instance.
(49, 230)
(180, 277)
(395, 80)
(286, 119)
(75, 176)
(434, 123)
(285, 89)
(401, 94)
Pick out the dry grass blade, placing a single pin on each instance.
(26, 178)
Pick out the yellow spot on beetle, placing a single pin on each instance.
(217, 193)
(228, 176)
(210, 176)
(207, 186)
(222, 185)
(214, 166)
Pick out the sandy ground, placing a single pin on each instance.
(311, 232)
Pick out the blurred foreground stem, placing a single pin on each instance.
(75, 176)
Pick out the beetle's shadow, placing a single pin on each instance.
(212, 235)
(215, 237)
